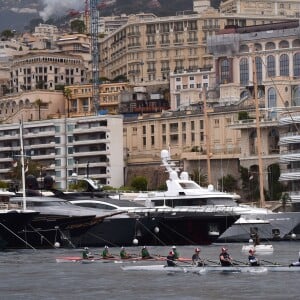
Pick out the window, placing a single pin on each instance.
(296, 96)
(258, 63)
(244, 71)
(271, 66)
(296, 64)
(201, 124)
(152, 129)
(224, 72)
(216, 123)
(272, 102)
(284, 65)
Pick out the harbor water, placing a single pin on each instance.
(29, 274)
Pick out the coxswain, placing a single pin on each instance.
(252, 259)
(197, 261)
(225, 258)
(86, 254)
(124, 254)
(145, 253)
(176, 253)
(171, 259)
(296, 263)
(106, 254)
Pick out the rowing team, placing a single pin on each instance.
(86, 254)
(224, 257)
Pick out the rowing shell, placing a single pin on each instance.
(211, 269)
(65, 259)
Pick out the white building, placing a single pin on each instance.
(87, 146)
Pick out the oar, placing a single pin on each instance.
(270, 262)
(239, 262)
(212, 261)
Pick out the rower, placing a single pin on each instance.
(176, 253)
(86, 254)
(252, 259)
(296, 263)
(197, 261)
(124, 254)
(106, 254)
(145, 253)
(171, 259)
(225, 258)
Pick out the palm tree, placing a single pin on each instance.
(67, 95)
(38, 102)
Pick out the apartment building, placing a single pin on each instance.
(80, 100)
(86, 146)
(186, 88)
(275, 54)
(46, 31)
(148, 48)
(287, 8)
(46, 70)
(186, 134)
(31, 106)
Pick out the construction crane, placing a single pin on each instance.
(94, 23)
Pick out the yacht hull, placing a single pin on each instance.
(11, 222)
(273, 226)
(53, 231)
(119, 232)
(192, 228)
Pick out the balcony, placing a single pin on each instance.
(289, 138)
(290, 175)
(134, 33)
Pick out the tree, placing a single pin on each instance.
(243, 115)
(120, 78)
(78, 26)
(228, 183)
(67, 94)
(7, 34)
(198, 177)
(31, 167)
(39, 103)
(139, 183)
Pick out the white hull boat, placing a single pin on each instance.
(259, 249)
(211, 269)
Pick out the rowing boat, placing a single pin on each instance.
(211, 269)
(64, 259)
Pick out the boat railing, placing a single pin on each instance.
(8, 206)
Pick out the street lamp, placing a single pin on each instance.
(142, 70)
(87, 169)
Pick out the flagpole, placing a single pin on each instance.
(22, 165)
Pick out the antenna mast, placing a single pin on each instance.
(94, 20)
(258, 134)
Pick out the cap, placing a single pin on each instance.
(173, 247)
(106, 247)
(122, 247)
(224, 249)
(197, 250)
(86, 248)
(144, 247)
